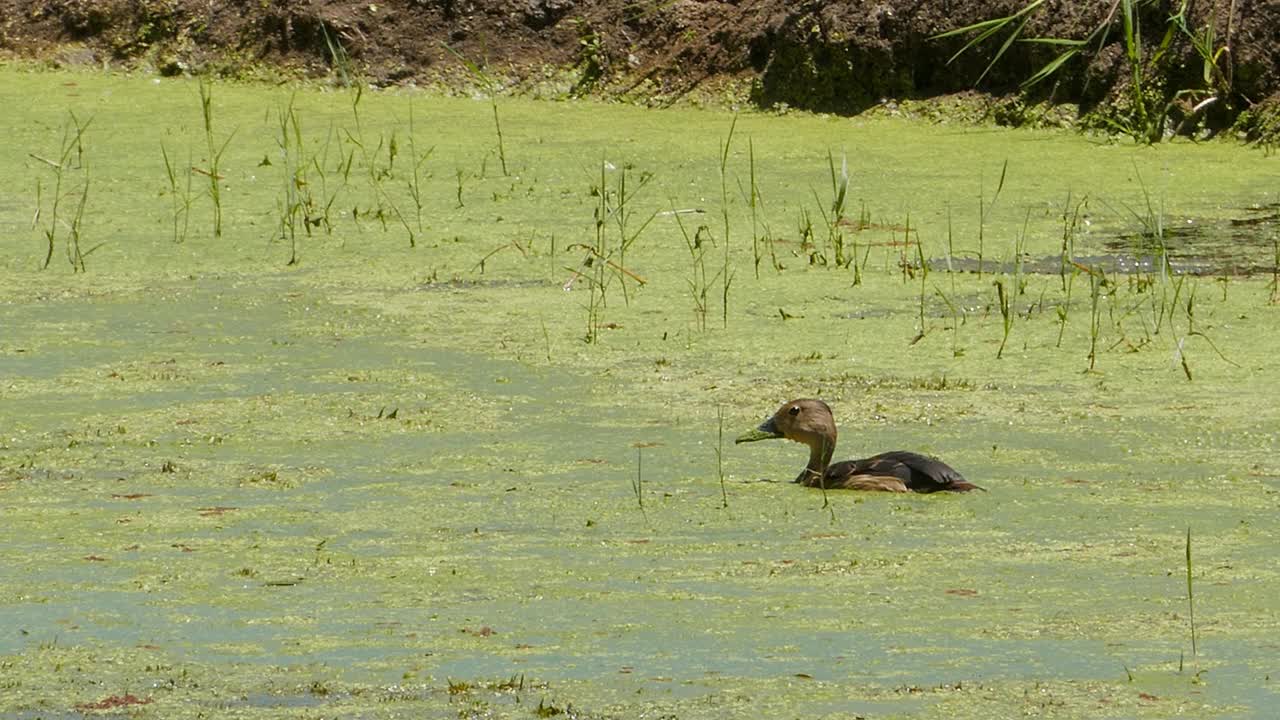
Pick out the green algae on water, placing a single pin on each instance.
(384, 480)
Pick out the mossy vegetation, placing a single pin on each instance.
(345, 471)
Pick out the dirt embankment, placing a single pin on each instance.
(840, 57)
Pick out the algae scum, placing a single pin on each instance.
(393, 479)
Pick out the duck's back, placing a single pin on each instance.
(897, 471)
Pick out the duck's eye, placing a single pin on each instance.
(793, 410)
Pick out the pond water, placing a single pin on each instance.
(395, 481)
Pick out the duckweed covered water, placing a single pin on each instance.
(395, 482)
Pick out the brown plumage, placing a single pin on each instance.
(810, 422)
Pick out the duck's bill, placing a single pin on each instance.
(766, 431)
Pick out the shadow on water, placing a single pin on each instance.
(1204, 246)
(1195, 246)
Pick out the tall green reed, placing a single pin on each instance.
(834, 221)
(923, 263)
(724, 490)
(637, 485)
(339, 60)
(605, 258)
(180, 194)
(726, 271)
(623, 213)
(417, 160)
(1071, 217)
(984, 210)
(1097, 293)
(295, 206)
(1191, 599)
(215, 151)
(70, 168)
(698, 281)
(1006, 315)
(758, 218)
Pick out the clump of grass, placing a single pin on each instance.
(612, 208)
(1166, 304)
(490, 86)
(1146, 114)
(319, 163)
(833, 216)
(1006, 296)
(378, 174)
(1071, 218)
(74, 253)
(180, 193)
(70, 159)
(923, 264)
(698, 280)
(1068, 270)
(339, 60)
(1097, 288)
(1006, 315)
(1153, 232)
(295, 205)
(1064, 307)
(1015, 22)
(839, 197)
(1143, 124)
(623, 213)
(592, 60)
(598, 276)
(804, 232)
(215, 152)
(1019, 256)
(514, 683)
(546, 709)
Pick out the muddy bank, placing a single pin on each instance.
(842, 57)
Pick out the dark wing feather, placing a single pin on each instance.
(915, 472)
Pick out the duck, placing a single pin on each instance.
(810, 422)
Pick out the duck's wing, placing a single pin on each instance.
(897, 471)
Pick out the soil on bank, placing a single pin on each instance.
(842, 57)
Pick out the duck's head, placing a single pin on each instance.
(804, 421)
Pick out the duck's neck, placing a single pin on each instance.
(819, 458)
